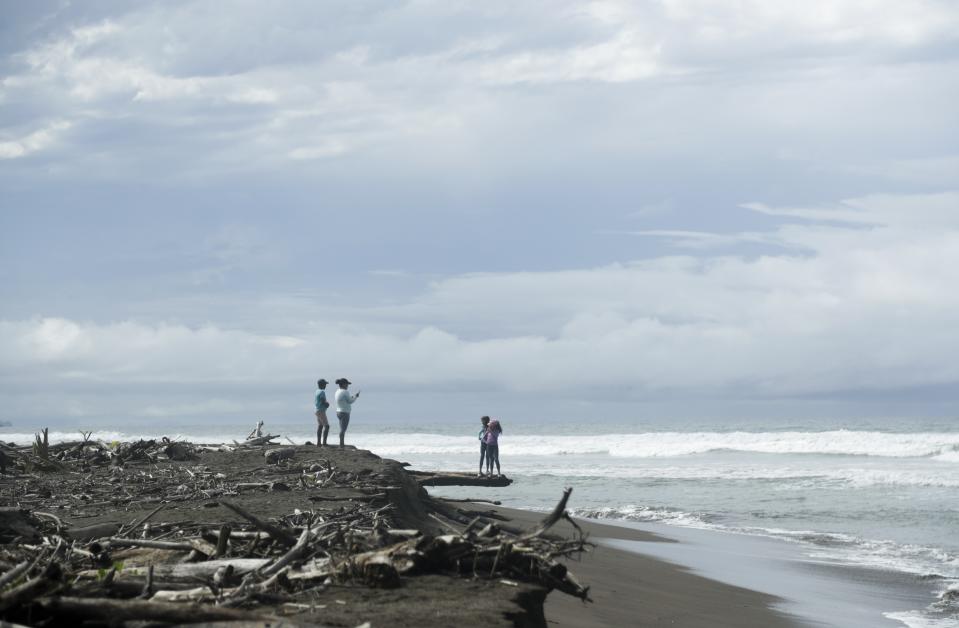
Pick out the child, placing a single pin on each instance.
(482, 433)
(492, 446)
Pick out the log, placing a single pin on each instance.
(275, 455)
(196, 594)
(179, 451)
(263, 440)
(15, 522)
(164, 545)
(43, 583)
(129, 610)
(295, 552)
(136, 524)
(89, 533)
(314, 569)
(277, 533)
(187, 571)
(16, 572)
(559, 511)
(223, 541)
(425, 478)
(190, 545)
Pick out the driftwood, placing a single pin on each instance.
(273, 456)
(41, 446)
(179, 451)
(150, 571)
(277, 533)
(90, 533)
(186, 571)
(257, 431)
(253, 442)
(15, 522)
(427, 478)
(558, 512)
(126, 610)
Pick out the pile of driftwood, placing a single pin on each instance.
(42, 456)
(366, 523)
(257, 571)
(86, 475)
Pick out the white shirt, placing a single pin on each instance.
(343, 400)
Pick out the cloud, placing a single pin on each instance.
(33, 142)
(866, 310)
(371, 82)
(625, 57)
(441, 129)
(703, 239)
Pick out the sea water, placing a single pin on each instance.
(877, 494)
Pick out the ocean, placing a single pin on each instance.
(878, 495)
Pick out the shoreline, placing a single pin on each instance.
(636, 573)
(630, 588)
(626, 588)
(802, 591)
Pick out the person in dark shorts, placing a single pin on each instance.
(322, 423)
(482, 433)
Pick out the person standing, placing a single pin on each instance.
(492, 447)
(482, 439)
(344, 405)
(322, 423)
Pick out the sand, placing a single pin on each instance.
(628, 589)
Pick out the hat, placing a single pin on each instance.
(343, 380)
(321, 381)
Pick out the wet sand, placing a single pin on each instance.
(630, 589)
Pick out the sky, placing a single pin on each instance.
(582, 210)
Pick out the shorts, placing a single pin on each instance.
(321, 418)
(344, 418)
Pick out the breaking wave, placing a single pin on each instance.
(940, 446)
(921, 560)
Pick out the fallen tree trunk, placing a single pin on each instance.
(128, 610)
(262, 440)
(187, 571)
(426, 478)
(275, 455)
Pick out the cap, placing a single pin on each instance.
(322, 381)
(343, 380)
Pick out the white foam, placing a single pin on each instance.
(941, 446)
(823, 546)
(108, 436)
(792, 477)
(883, 472)
(671, 444)
(918, 619)
(948, 455)
(645, 513)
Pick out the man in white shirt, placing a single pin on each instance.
(343, 401)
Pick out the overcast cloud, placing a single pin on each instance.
(548, 207)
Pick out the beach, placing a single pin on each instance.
(625, 588)
(848, 527)
(631, 589)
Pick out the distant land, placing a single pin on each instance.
(6, 423)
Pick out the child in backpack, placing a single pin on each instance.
(492, 447)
